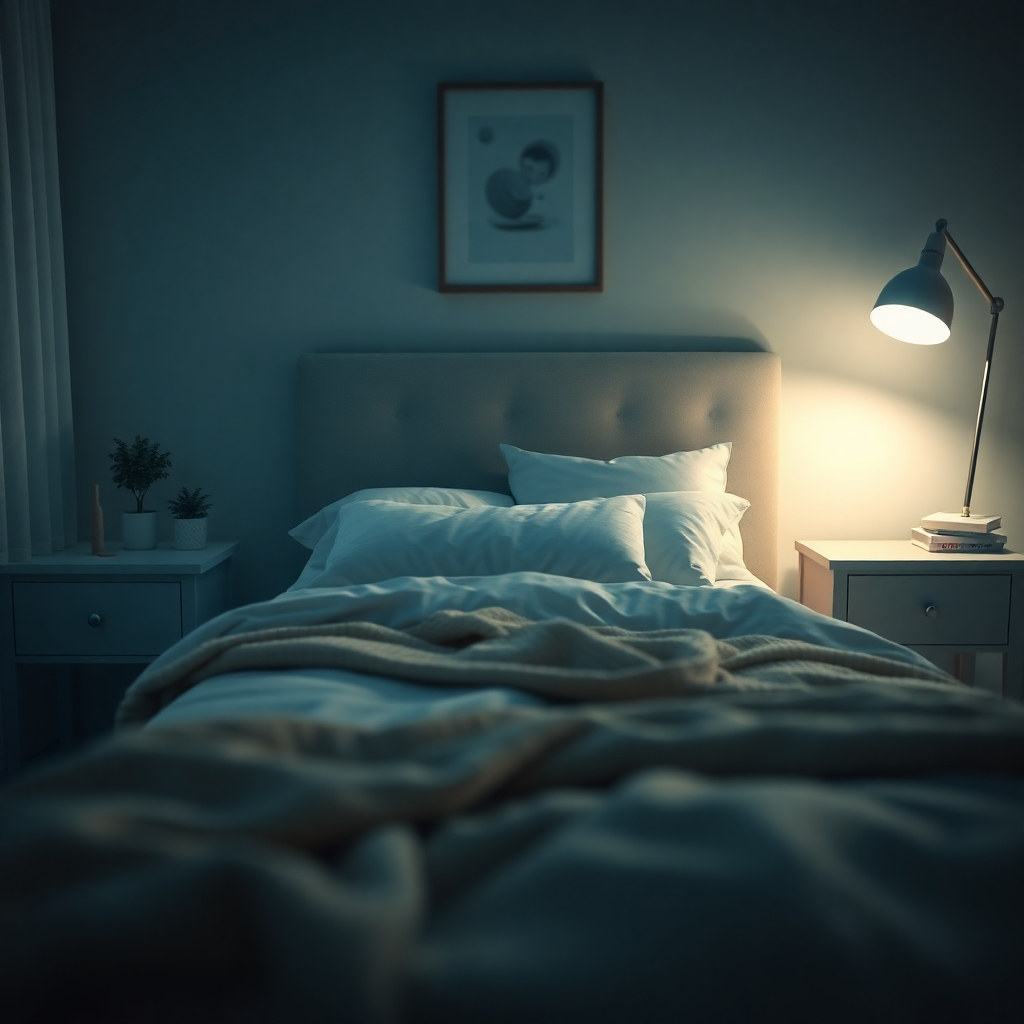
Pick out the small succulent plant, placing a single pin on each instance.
(190, 505)
(138, 466)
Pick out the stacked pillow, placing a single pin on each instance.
(601, 540)
(320, 530)
(689, 521)
(534, 476)
(665, 518)
(310, 530)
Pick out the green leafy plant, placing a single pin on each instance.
(190, 505)
(138, 466)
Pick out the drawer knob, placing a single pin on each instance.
(931, 611)
(95, 619)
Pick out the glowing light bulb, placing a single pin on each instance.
(909, 323)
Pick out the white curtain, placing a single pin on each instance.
(37, 458)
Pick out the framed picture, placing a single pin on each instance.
(519, 187)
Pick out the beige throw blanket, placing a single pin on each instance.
(559, 660)
(679, 857)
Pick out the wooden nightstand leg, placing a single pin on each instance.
(964, 665)
(11, 740)
(1013, 672)
(66, 706)
(10, 754)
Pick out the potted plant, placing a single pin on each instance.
(136, 468)
(190, 509)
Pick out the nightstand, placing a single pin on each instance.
(74, 608)
(946, 607)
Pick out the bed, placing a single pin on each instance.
(523, 795)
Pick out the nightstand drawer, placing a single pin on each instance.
(53, 618)
(973, 610)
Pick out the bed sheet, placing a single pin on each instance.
(738, 581)
(345, 697)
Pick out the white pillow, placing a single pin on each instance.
(684, 534)
(534, 477)
(317, 561)
(537, 477)
(730, 561)
(309, 532)
(601, 540)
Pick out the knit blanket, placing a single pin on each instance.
(695, 829)
(557, 659)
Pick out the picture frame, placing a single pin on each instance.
(520, 186)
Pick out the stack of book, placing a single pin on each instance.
(947, 531)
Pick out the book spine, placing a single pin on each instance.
(955, 527)
(954, 546)
(971, 538)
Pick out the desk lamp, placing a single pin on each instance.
(917, 306)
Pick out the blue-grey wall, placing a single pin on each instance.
(245, 181)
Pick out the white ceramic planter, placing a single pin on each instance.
(138, 531)
(190, 534)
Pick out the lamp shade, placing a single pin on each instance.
(917, 304)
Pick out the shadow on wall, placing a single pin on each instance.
(553, 342)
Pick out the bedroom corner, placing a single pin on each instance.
(512, 588)
(245, 183)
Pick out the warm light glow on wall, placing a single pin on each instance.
(858, 462)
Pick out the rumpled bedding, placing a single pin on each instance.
(558, 660)
(346, 696)
(830, 835)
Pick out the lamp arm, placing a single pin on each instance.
(940, 226)
(995, 307)
(986, 375)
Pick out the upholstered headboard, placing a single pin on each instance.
(390, 419)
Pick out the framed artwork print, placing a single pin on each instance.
(519, 187)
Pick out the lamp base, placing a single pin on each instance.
(955, 522)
